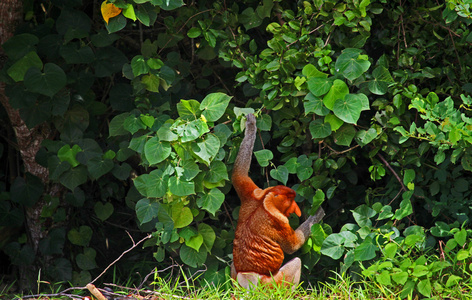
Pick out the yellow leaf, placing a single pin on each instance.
(109, 10)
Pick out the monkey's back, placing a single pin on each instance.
(255, 247)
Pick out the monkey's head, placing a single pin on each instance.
(284, 200)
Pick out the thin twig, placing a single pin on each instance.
(122, 254)
(316, 29)
(385, 162)
(340, 152)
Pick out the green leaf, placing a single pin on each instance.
(151, 82)
(207, 149)
(169, 4)
(77, 55)
(97, 167)
(345, 135)
(86, 260)
(333, 246)
(146, 210)
(338, 90)
(194, 32)
(349, 109)
(217, 172)
(103, 210)
(319, 129)
(365, 251)
(20, 45)
(81, 236)
(74, 177)
(139, 65)
(133, 124)
(18, 70)
(460, 237)
(211, 201)
(47, 83)
(264, 157)
(129, 13)
(273, 65)
(304, 167)
(20, 255)
(334, 121)
(195, 242)
(404, 210)
(181, 215)
(400, 277)
(208, 235)
(191, 170)
(249, 18)
(363, 214)
(116, 127)
(408, 176)
(189, 109)
(462, 254)
(153, 185)
(280, 174)
(156, 151)
(264, 123)
(453, 280)
(315, 105)
(54, 242)
(214, 106)
(382, 79)
(180, 187)
(26, 191)
(390, 250)
(424, 287)
(384, 278)
(191, 257)
(318, 235)
(351, 63)
(319, 86)
(310, 71)
(364, 137)
(192, 130)
(116, 24)
(165, 134)
(155, 63)
(385, 212)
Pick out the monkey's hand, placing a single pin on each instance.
(250, 122)
(304, 230)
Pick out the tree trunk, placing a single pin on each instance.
(28, 140)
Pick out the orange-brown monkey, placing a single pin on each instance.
(263, 233)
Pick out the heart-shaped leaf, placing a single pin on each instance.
(280, 174)
(47, 83)
(319, 129)
(103, 211)
(214, 106)
(81, 236)
(351, 64)
(211, 201)
(146, 210)
(349, 109)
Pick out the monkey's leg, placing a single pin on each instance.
(287, 274)
(249, 280)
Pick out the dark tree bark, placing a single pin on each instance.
(28, 142)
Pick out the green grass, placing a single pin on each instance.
(338, 287)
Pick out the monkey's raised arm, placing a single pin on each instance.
(242, 183)
(303, 232)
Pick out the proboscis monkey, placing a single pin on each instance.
(263, 232)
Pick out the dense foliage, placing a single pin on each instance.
(363, 107)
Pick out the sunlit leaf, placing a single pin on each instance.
(211, 201)
(109, 10)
